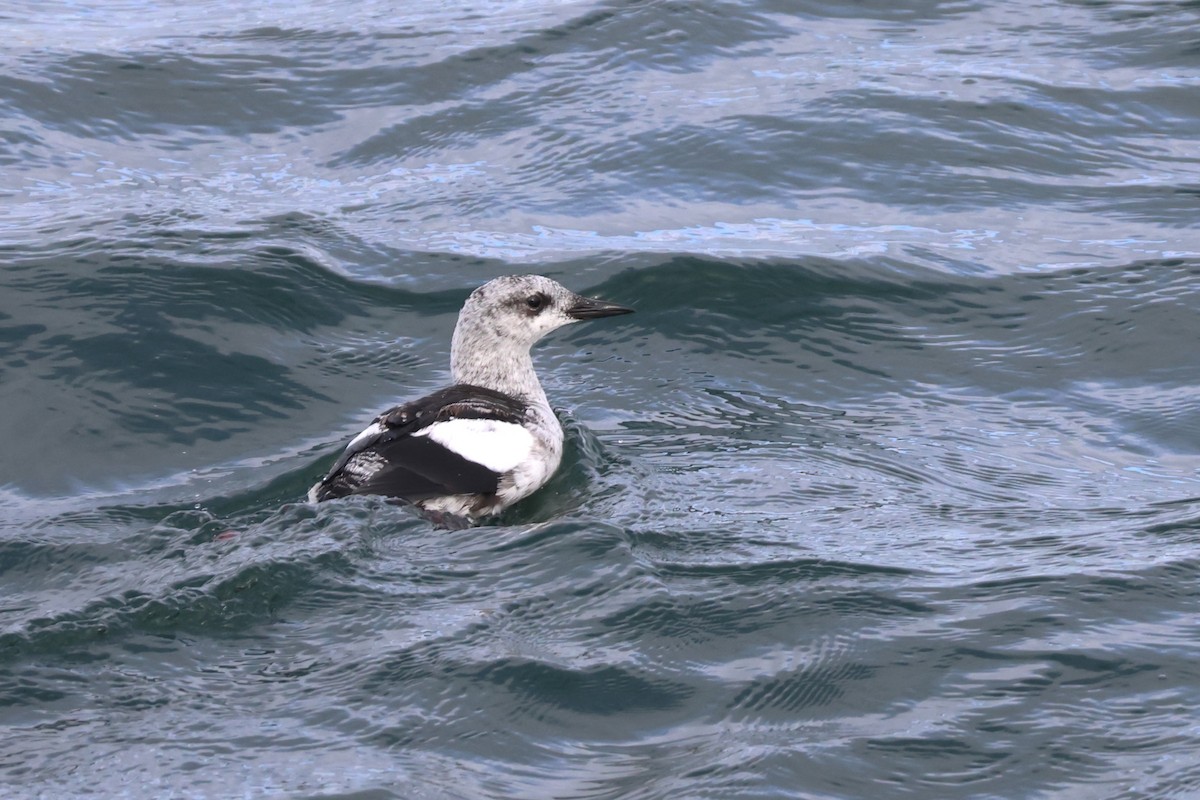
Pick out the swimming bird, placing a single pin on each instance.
(474, 448)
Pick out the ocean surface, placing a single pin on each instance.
(889, 489)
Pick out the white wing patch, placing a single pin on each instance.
(499, 446)
(374, 429)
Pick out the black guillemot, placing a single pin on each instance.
(473, 449)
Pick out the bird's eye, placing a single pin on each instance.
(535, 302)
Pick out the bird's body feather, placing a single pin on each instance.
(421, 450)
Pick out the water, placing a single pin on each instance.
(891, 488)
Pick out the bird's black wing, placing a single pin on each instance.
(387, 458)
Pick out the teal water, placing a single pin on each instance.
(890, 488)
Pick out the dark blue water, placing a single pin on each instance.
(890, 488)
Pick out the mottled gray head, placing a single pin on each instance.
(503, 318)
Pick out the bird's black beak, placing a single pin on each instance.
(587, 308)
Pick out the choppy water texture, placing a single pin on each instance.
(891, 488)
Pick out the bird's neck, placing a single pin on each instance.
(502, 366)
